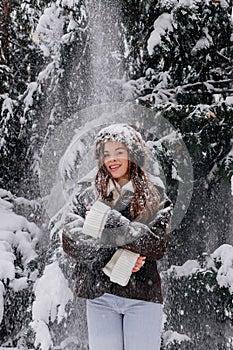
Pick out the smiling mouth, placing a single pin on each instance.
(114, 167)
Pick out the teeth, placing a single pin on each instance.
(114, 166)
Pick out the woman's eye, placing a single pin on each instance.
(117, 154)
(122, 153)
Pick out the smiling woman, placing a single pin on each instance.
(116, 160)
(116, 230)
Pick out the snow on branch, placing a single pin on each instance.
(28, 100)
(51, 297)
(49, 30)
(221, 85)
(17, 234)
(6, 114)
(163, 92)
(187, 269)
(224, 256)
(220, 262)
(18, 239)
(170, 337)
(42, 335)
(7, 105)
(203, 43)
(162, 25)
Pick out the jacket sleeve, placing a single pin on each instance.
(148, 240)
(78, 245)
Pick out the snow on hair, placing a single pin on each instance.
(126, 135)
(146, 197)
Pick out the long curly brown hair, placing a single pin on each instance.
(145, 201)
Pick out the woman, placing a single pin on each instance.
(116, 229)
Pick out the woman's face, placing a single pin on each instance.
(116, 160)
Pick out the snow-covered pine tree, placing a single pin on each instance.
(61, 36)
(163, 41)
(188, 79)
(36, 42)
(20, 62)
(19, 267)
(184, 52)
(137, 20)
(183, 70)
(198, 303)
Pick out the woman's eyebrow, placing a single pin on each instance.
(119, 148)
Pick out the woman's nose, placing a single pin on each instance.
(112, 158)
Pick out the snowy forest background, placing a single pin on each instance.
(60, 57)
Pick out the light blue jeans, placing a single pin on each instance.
(117, 323)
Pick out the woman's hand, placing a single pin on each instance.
(139, 263)
(87, 210)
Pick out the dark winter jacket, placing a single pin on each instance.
(148, 239)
